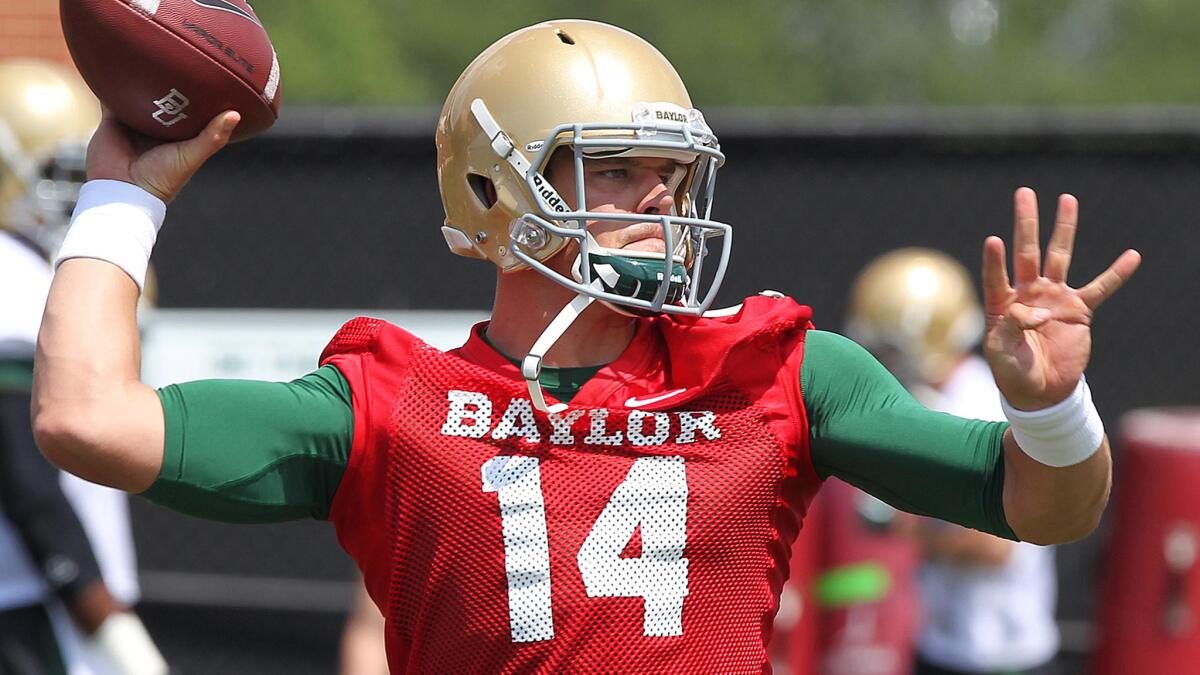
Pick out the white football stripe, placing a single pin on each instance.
(148, 6)
(273, 80)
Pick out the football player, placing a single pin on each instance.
(59, 607)
(606, 476)
(988, 603)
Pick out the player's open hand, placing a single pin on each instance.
(162, 169)
(1039, 338)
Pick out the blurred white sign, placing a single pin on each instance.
(196, 344)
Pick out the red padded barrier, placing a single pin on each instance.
(1151, 598)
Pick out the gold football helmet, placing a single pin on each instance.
(47, 115)
(601, 92)
(917, 310)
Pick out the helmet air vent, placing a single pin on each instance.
(482, 188)
(566, 39)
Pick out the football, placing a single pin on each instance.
(167, 67)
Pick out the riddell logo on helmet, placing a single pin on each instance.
(548, 194)
(671, 116)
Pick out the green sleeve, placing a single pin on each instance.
(867, 430)
(243, 451)
(16, 374)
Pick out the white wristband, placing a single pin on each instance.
(116, 222)
(1066, 433)
(124, 642)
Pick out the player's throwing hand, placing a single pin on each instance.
(162, 169)
(1039, 329)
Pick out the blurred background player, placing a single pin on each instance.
(65, 587)
(864, 590)
(988, 603)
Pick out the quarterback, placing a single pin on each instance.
(607, 476)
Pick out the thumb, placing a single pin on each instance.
(1019, 317)
(216, 135)
(165, 169)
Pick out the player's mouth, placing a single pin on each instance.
(649, 245)
(646, 237)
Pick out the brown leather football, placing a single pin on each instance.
(167, 67)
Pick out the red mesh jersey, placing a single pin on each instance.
(645, 530)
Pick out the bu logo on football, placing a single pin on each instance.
(170, 108)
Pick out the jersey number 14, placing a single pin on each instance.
(653, 495)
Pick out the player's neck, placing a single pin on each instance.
(526, 302)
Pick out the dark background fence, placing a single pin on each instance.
(340, 209)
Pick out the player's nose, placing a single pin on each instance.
(658, 199)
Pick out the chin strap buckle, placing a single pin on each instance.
(501, 144)
(531, 367)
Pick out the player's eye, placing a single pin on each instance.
(615, 174)
(671, 178)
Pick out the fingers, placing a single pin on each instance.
(1062, 241)
(996, 289)
(1103, 286)
(1027, 252)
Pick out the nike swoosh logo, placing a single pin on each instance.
(635, 402)
(226, 6)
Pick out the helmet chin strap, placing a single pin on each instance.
(604, 280)
(531, 365)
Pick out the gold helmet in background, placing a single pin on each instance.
(601, 92)
(918, 311)
(47, 115)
